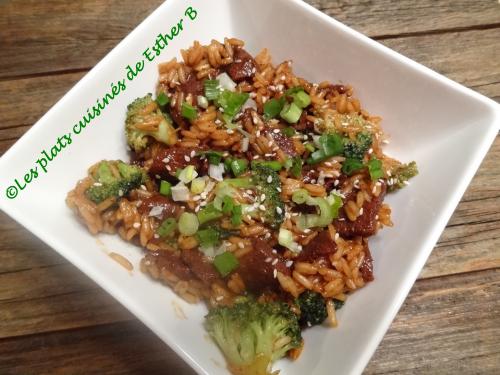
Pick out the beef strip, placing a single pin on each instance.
(167, 208)
(258, 274)
(156, 261)
(304, 125)
(282, 141)
(200, 266)
(321, 246)
(366, 267)
(366, 224)
(174, 158)
(243, 66)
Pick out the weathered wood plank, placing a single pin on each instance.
(48, 36)
(391, 18)
(448, 325)
(122, 348)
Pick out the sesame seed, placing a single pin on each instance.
(219, 298)
(275, 273)
(136, 225)
(196, 198)
(262, 207)
(328, 164)
(263, 197)
(97, 184)
(166, 160)
(120, 193)
(307, 230)
(299, 247)
(187, 158)
(275, 261)
(249, 218)
(337, 236)
(169, 168)
(229, 131)
(274, 251)
(279, 189)
(197, 208)
(268, 259)
(376, 217)
(279, 210)
(389, 174)
(386, 141)
(249, 191)
(361, 211)
(289, 263)
(276, 131)
(203, 195)
(370, 150)
(143, 187)
(156, 235)
(157, 176)
(269, 144)
(204, 203)
(268, 235)
(241, 245)
(269, 179)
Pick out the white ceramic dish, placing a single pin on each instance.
(444, 126)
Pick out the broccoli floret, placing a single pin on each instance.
(357, 149)
(312, 308)
(107, 184)
(401, 174)
(144, 118)
(253, 335)
(267, 182)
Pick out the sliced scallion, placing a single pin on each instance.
(225, 263)
(167, 227)
(291, 113)
(165, 188)
(162, 99)
(208, 213)
(188, 111)
(239, 166)
(375, 169)
(212, 90)
(273, 107)
(351, 165)
(188, 223)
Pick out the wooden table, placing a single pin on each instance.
(53, 319)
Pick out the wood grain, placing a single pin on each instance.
(57, 321)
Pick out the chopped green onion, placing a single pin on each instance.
(212, 90)
(198, 185)
(309, 147)
(301, 99)
(296, 168)
(227, 204)
(162, 99)
(273, 107)
(208, 237)
(331, 144)
(225, 263)
(231, 102)
(351, 165)
(167, 227)
(242, 182)
(272, 164)
(291, 113)
(316, 157)
(239, 166)
(311, 220)
(292, 91)
(165, 188)
(208, 213)
(188, 223)
(187, 174)
(300, 196)
(375, 169)
(285, 238)
(214, 157)
(335, 205)
(288, 131)
(236, 216)
(188, 111)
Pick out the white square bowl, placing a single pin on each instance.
(445, 127)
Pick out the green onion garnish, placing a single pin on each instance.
(288, 131)
(273, 107)
(300, 196)
(167, 227)
(351, 165)
(375, 169)
(335, 205)
(214, 157)
(208, 213)
(301, 99)
(236, 215)
(212, 90)
(165, 188)
(226, 263)
(188, 223)
(208, 237)
(330, 145)
(242, 182)
(227, 204)
(309, 147)
(291, 113)
(162, 99)
(239, 166)
(272, 164)
(296, 168)
(231, 102)
(188, 111)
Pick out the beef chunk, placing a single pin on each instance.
(366, 267)
(366, 224)
(321, 246)
(180, 121)
(304, 125)
(167, 160)
(200, 266)
(156, 261)
(258, 274)
(166, 207)
(283, 142)
(192, 86)
(243, 66)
